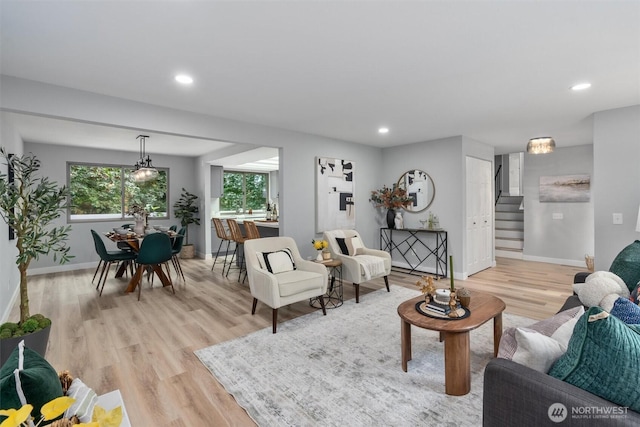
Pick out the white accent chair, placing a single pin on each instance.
(308, 280)
(354, 266)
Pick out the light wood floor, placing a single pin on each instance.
(145, 348)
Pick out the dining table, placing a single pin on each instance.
(135, 241)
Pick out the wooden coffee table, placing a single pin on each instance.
(455, 333)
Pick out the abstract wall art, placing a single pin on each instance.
(335, 204)
(565, 188)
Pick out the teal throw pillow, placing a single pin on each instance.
(603, 358)
(626, 265)
(27, 374)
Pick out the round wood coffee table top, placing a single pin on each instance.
(483, 307)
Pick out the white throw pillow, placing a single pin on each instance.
(559, 327)
(353, 244)
(277, 261)
(86, 400)
(536, 351)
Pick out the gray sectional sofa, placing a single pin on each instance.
(515, 395)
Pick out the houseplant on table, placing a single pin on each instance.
(29, 205)
(185, 210)
(391, 199)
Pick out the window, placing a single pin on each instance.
(106, 192)
(244, 191)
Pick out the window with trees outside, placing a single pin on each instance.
(107, 192)
(244, 192)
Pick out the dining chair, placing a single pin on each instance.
(176, 247)
(155, 252)
(222, 234)
(238, 253)
(107, 258)
(173, 227)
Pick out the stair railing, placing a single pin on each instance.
(498, 184)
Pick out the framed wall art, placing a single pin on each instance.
(565, 188)
(335, 204)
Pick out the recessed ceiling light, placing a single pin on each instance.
(383, 130)
(581, 86)
(184, 79)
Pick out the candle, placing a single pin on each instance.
(451, 274)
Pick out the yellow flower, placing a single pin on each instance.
(105, 418)
(16, 417)
(320, 244)
(56, 407)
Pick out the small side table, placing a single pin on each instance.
(333, 298)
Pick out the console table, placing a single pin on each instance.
(417, 245)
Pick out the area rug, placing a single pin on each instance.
(344, 369)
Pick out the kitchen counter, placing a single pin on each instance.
(265, 223)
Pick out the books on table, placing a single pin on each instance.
(438, 307)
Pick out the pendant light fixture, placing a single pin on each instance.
(541, 145)
(143, 169)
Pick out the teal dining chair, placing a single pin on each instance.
(155, 252)
(175, 250)
(173, 227)
(107, 258)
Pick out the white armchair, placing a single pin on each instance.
(278, 275)
(359, 264)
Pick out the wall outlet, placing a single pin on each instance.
(557, 215)
(617, 218)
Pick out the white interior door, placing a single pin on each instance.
(479, 215)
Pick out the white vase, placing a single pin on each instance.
(139, 227)
(319, 257)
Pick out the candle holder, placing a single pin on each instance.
(453, 305)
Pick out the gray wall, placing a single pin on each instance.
(444, 160)
(616, 184)
(54, 165)
(565, 240)
(9, 275)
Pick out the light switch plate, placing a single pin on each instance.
(617, 218)
(557, 215)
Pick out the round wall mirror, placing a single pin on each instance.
(419, 187)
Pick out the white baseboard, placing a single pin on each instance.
(61, 268)
(571, 262)
(431, 270)
(14, 298)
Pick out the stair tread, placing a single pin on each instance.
(499, 248)
(520, 239)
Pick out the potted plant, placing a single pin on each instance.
(185, 210)
(391, 199)
(29, 204)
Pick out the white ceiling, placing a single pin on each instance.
(495, 71)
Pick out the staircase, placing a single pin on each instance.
(509, 227)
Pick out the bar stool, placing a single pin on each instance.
(251, 230)
(224, 237)
(239, 239)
